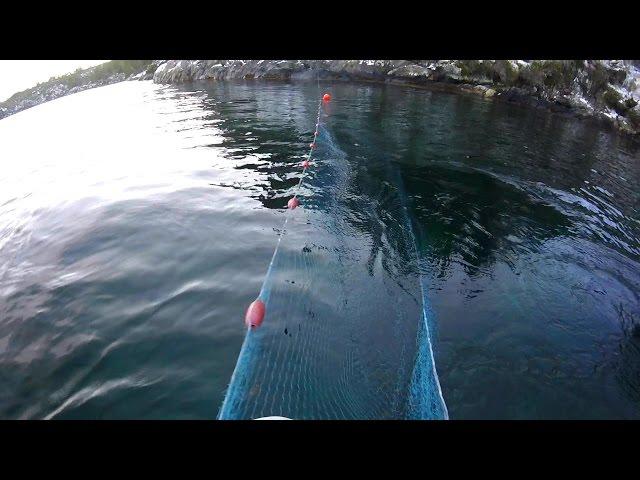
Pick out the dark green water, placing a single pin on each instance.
(137, 223)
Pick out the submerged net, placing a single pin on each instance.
(346, 333)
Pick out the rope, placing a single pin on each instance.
(264, 291)
(264, 295)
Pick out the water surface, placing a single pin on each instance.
(137, 222)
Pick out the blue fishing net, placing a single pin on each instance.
(347, 330)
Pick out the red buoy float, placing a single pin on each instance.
(326, 97)
(305, 164)
(255, 314)
(312, 145)
(293, 203)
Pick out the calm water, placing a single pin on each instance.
(137, 222)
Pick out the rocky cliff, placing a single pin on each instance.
(608, 90)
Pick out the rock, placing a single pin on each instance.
(362, 68)
(507, 71)
(489, 92)
(563, 100)
(612, 98)
(446, 71)
(516, 94)
(615, 69)
(411, 71)
(633, 115)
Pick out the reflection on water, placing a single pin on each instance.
(137, 221)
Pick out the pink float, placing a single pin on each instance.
(293, 203)
(255, 314)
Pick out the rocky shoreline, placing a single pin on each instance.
(606, 90)
(105, 74)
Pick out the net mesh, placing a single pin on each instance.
(346, 333)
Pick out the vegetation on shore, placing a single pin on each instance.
(608, 90)
(82, 79)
